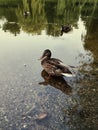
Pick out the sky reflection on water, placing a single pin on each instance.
(71, 44)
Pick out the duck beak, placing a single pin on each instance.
(42, 58)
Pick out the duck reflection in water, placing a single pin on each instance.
(26, 14)
(57, 82)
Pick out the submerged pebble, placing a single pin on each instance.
(41, 116)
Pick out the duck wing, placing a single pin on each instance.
(62, 68)
(50, 68)
(59, 66)
(56, 60)
(56, 67)
(59, 63)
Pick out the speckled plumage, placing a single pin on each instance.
(53, 66)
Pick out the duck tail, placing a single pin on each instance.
(68, 75)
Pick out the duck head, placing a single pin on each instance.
(46, 55)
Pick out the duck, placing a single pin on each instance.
(55, 67)
(65, 28)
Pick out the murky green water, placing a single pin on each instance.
(28, 101)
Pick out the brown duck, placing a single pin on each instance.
(55, 67)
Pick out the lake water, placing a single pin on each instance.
(28, 101)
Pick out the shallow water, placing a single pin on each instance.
(28, 101)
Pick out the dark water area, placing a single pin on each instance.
(28, 99)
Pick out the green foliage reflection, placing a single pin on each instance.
(47, 14)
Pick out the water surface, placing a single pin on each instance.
(25, 92)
